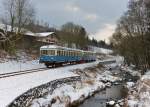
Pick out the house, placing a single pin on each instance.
(33, 41)
(30, 40)
(45, 37)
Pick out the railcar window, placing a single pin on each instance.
(66, 53)
(63, 53)
(43, 52)
(58, 53)
(53, 52)
(49, 52)
(69, 53)
(80, 53)
(73, 53)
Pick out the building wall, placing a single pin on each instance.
(49, 39)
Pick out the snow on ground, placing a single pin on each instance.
(107, 76)
(139, 95)
(101, 50)
(68, 94)
(130, 84)
(12, 66)
(146, 76)
(131, 70)
(12, 87)
(105, 51)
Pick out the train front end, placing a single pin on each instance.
(47, 55)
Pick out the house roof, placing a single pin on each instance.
(43, 34)
(27, 32)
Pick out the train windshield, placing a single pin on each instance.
(43, 52)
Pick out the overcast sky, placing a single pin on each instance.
(97, 16)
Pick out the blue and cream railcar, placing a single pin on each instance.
(88, 56)
(52, 54)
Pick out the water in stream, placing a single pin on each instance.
(100, 99)
(115, 92)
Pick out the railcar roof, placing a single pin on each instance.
(88, 51)
(47, 47)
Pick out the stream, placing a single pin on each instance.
(115, 92)
(100, 99)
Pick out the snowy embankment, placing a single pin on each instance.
(139, 93)
(64, 95)
(13, 66)
(12, 87)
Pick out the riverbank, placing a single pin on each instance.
(139, 93)
(114, 95)
(92, 79)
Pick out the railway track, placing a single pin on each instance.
(5, 75)
(11, 74)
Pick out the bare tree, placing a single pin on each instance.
(18, 13)
(131, 38)
(9, 16)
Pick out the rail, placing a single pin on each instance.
(5, 75)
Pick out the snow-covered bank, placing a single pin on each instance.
(139, 94)
(12, 87)
(75, 92)
(68, 95)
